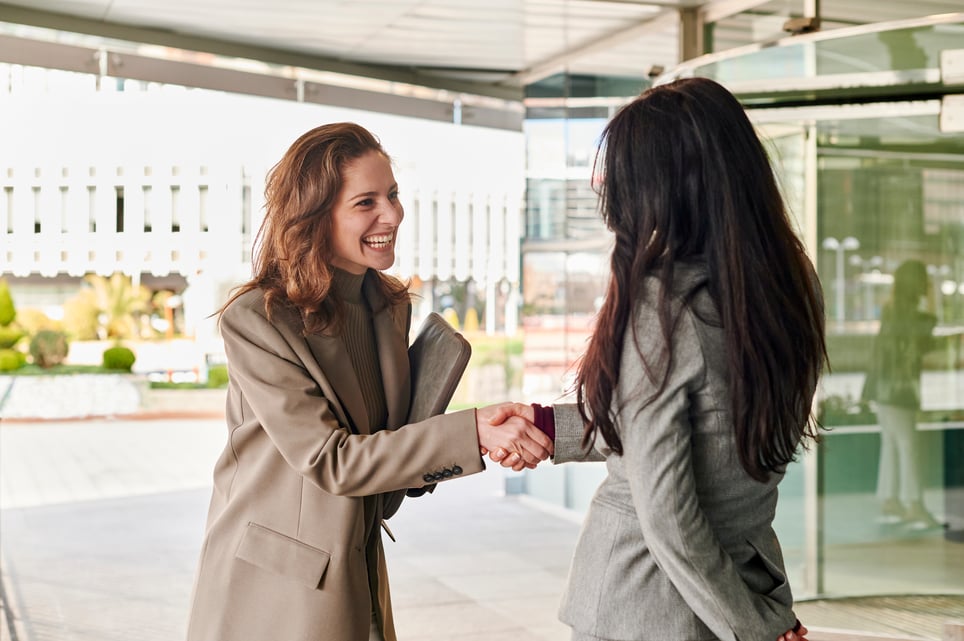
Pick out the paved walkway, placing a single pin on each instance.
(101, 525)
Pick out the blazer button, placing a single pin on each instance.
(456, 470)
(428, 478)
(438, 476)
(447, 473)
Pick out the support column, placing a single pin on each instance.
(811, 9)
(690, 33)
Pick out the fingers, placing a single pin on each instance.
(531, 448)
(513, 461)
(797, 634)
(514, 435)
(530, 440)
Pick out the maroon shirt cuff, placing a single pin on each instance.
(545, 420)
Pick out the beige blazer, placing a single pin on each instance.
(678, 543)
(284, 551)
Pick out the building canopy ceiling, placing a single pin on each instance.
(492, 48)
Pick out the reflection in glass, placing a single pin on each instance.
(890, 227)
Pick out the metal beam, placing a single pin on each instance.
(715, 10)
(105, 62)
(231, 48)
(557, 63)
(664, 20)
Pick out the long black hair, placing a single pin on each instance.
(685, 178)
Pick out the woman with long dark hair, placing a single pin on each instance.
(697, 383)
(318, 451)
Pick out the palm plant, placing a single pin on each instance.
(119, 304)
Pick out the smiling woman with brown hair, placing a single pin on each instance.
(318, 452)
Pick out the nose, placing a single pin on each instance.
(391, 213)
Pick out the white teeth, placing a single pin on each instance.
(379, 241)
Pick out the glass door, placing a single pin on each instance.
(881, 501)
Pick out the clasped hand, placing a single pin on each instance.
(507, 434)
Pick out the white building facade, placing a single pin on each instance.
(165, 185)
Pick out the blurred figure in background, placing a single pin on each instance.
(893, 387)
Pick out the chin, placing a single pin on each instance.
(382, 265)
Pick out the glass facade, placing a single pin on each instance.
(873, 174)
(564, 252)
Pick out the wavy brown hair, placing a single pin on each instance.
(293, 261)
(686, 179)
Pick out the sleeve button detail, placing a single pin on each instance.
(447, 473)
(456, 470)
(428, 478)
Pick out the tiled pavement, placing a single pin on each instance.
(101, 524)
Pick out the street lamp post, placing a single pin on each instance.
(840, 247)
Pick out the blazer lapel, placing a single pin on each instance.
(336, 369)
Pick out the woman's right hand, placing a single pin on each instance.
(506, 434)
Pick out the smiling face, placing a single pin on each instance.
(366, 215)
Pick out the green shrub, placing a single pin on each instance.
(10, 336)
(11, 359)
(48, 348)
(218, 376)
(7, 311)
(119, 358)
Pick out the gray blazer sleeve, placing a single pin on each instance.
(658, 458)
(568, 442)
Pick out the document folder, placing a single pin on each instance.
(438, 357)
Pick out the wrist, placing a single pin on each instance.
(545, 420)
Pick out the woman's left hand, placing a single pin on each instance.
(797, 633)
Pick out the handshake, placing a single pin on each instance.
(510, 434)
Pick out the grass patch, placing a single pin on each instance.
(58, 370)
(493, 349)
(187, 386)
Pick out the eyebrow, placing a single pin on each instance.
(366, 194)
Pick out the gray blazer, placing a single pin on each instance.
(677, 544)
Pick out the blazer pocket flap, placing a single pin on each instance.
(275, 552)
